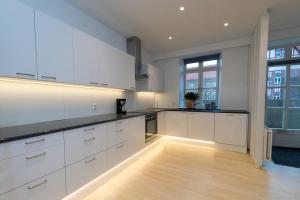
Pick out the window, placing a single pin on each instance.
(276, 54)
(201, 76)
(283, 89)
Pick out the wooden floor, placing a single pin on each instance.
(176, 171)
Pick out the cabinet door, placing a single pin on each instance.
(86, 61)
(82, 172)
(231, 128)
(54, 45)
(17, 49)
(136, 134)
(176, 124)
(201, 126)
(117, 154)
(161, 123)
(128, 71)
(50, 187)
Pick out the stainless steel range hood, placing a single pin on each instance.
(134, 48)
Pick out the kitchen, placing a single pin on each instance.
(82, 105)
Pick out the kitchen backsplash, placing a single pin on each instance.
(27, 102)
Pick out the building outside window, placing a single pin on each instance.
(201, 76)
(283, 88)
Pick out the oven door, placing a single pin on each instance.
(151, 128)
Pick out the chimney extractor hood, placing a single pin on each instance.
(134, 48)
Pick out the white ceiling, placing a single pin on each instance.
(201, 22)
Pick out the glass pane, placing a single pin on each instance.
(209, 95)
(293, 119)
(191, 81)
(276, 76)
(296, 51)
(209, 79)
(274, 118)
(295, 75)
(210, 63)
(192, 65)
(294, 97)
(275, 97)
(276, 54)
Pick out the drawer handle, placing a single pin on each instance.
(119, 131)
(104, 84)
(91, 139)
(25, 74)
(89, 129)
(132, 88)
(93, 83)
(36, 141)
(39, 155)
(119, 122)
(120, 146)
(49, 77)
(39, 184)
(91, 160)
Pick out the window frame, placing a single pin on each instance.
(200, 70)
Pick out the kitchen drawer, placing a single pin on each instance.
(20, 170)
(117, 154)
(117, 132)
(83, 142)
(20, 147)
(82, 172)
(51, 187)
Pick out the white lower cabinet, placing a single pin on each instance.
(231, 128)
(117, 154)
(117, 132)
(201, 126)
(136, 134)
(50, 187)
(84, 171)
(176, 123)
(83, 142)
(161, 123)
(22, 169)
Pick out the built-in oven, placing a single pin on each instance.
(151, 126)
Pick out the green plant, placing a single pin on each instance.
(191, 96)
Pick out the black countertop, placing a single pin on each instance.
(12, 133)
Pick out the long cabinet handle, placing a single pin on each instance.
(35, 156)
(89, 129)
(25, 74)
(39, 184)
(104, 84)
(91, 160)
(93, 83)
(91, 139)
(49, 77)
(119, 131)
(120, 146)
(36, 141)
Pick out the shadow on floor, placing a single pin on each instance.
(286, 156)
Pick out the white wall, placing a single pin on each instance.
(170, 97)
(234, 79)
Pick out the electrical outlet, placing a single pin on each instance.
(94, 107)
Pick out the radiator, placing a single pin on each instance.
(268, 135)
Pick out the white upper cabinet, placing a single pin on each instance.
(86, 61)
(54, 45)
(116, 67)
(17, 49)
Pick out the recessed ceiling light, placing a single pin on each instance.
(181, 8)
(170, 38)
(226, 24)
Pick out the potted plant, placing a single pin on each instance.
(190, 99)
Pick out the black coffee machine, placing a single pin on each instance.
(120, 106)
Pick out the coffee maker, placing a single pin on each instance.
(120, 103)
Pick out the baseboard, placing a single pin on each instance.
(92, 186)
(227, 147)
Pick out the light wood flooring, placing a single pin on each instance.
(176, 171)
